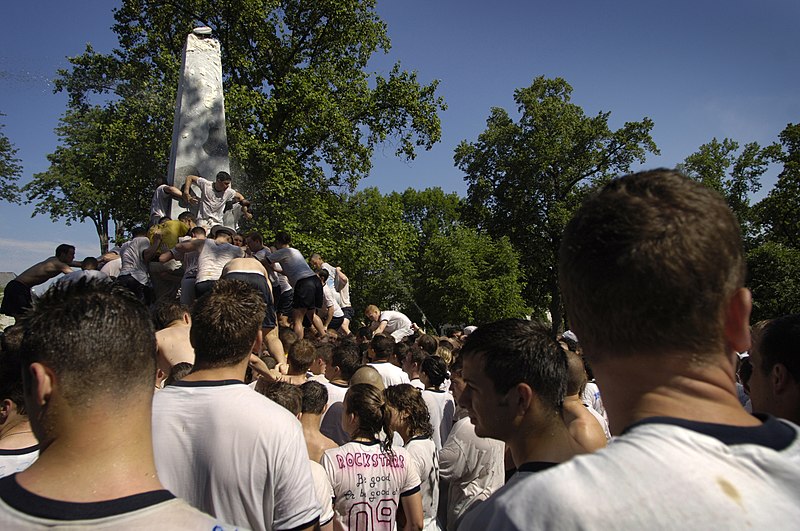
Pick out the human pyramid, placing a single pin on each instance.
(216, 382)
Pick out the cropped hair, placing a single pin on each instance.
(167, 312)
(324, 351)
(382, 346)
(11, 367)
(302, 354)
(417, 354)
(399, 350)
(368, 404)
(323, 274)
(64, 248)
(284, 394)
(137, 232)
(315, 397)
(283, 238)
(779, 342)
(96, 337)
(198, 231)
(347, 358)
(225, 323)
(647, 265)
(178, 372)
(187, 216)
(255, 236)
(90, 262)
(435, 368)
(576, 373)
(408, 401)
(516, 351)
(223, 176)
(428, 343)
(288, 338)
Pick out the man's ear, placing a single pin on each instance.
(42, 382)
(6, 407)
(780, 378)
(521, 395)
(187, 318)
(737, 320)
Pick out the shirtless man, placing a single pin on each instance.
(584, 428)
(213, 197)
(253, 273)
(17, 296)
(315, 402)
(172, 339)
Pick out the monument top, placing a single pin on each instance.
(202, 30)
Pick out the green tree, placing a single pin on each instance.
(525, 178)
(779, 212)
(10, 169)
(735, 176)
(466, 277)
(303, 112)
(774, 278)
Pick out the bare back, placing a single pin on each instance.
(317, 443)
(43, 271)
(582, 426)
(174, 346)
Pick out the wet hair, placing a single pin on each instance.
(11, 367)
(408, 401)
(435, 369)
(178, 372)
(324, 351)
(400, 350)
(225, 323)
(167, 312)
(347, 358)
(417, 354)
(518, 351)
(368, 404)
(301, 355)
(283, 238)
(64, 248)
(647, 266)
(97, 338)
(89, 263)
(779, 342)
(187, 216)
(323, 274)
(315, 397)
(427, 343)
(284, 394)
(382, 346)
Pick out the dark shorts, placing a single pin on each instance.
(259, 282)
(348, 312)
(16, 298)
(203, 288)
(308, 293)
(283, 300)
(336, 323)
(143, 292)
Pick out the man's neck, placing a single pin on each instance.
(311, 422)
(207, 374)
(542, 440)
(17, 433)
(178, 322)
(96, 454)
(639, 387)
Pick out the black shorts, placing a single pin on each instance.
(259, 282)
(336, 323)
(284, 300)
(203, 287)
(348, 312)
(307, 293)
(143, 292)
(16, 299)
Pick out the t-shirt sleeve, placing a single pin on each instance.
(324, 490)
(278, 255)
(295, 503)
(412, 482)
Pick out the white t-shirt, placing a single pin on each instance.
(112, 267)
(423, 452)
(442, 409)
(159, 205)
(661, 474)
(212, 203)
(292, 263)
(149, 510)
(473, 468)
(234, 453)
(343, 290)
(324, 491)
(591, 396)
(132, 260)
(368, 484)
(75, 276)
(330, 300)
(13, 461)
(416, 382)
(391, 374)
(397, 325)
(213, 258)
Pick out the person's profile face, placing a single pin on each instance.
(222, 185)
(488, 410)
(373, 316)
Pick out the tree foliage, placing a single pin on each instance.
(526, 177)
(779, 212)
(734, 175)
(466, 277)
(10, 169)
(774, 279)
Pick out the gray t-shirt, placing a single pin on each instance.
(132, 260)
(293, 264)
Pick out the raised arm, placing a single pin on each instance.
(174, 192)
(187, 188)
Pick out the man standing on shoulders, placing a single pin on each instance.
(213, 197)
(91, 411)
(263, 481)
(17, 295)
(652, 271)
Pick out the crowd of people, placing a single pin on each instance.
(218, 382)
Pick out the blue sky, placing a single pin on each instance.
(699, 69)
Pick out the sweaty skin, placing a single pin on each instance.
(47, 269)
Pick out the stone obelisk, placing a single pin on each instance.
(199, 143)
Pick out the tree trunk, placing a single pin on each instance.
(101, 226)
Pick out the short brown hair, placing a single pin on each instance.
(302, 354)
(225, 323)
(647, 265)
